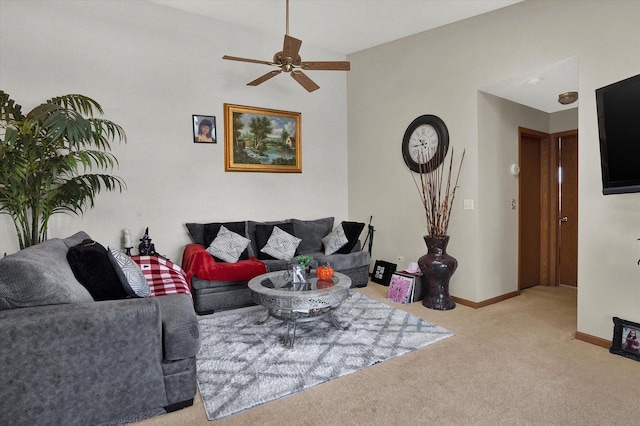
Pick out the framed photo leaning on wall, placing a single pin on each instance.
(626, 339)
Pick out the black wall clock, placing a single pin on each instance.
(425, 143)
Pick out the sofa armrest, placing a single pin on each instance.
(180, 330)
(103, 356)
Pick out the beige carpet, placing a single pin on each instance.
(512, 363)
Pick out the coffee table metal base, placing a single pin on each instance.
(292, 318)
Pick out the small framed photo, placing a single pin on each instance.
(297, 273)
(382, 272)
(204, 129)
(626, 339)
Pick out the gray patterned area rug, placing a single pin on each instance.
(243, 364)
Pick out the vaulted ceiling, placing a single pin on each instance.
(348, 26)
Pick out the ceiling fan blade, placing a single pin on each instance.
(264, 78)
(253, 61)
(291, 46)
(304, 81)
(327, 65)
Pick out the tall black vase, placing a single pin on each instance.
(437, 268)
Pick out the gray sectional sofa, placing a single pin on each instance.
(218, 285)
(66, 359)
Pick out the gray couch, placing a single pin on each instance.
(66, 359)
(222, 294)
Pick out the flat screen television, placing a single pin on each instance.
(618, 107)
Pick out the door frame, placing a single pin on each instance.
(549, 203)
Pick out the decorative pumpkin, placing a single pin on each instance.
(324, 284)
(324, 272)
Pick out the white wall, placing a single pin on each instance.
(439, 72)
(151, 68)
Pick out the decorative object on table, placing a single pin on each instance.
(288, 61)
(412, 268)
(204, 129)
(324, 272)
(626, 339)
(377, 332)
(382, 272)
(127, 241)
(146, 247)
(298, 274)
(41, 182)
(401, 288)
(307, 263)
(249, 145)
(437, 195)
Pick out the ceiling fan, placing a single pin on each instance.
(288, 60)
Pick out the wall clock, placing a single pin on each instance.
(425, 143)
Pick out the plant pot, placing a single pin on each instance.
(437, 268)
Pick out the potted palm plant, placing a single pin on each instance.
(437, 193)
(46, 161)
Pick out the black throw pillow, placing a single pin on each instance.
(263, 232)
(211, 232)
(91, 266)
(352, 231)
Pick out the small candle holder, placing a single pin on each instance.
(127, 241)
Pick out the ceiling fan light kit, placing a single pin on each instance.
(288, 60)
(567, 98)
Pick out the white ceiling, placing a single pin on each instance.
(348, 26)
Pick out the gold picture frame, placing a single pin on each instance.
(261, 140)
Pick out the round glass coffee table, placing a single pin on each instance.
(294, 303)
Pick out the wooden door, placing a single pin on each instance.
(568, 216)
(529, 217)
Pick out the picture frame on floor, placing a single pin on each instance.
(401, 288)
(382, 272)
(262, 140)
(204, 129)
(626, 339)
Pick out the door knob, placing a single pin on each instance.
(564, 219)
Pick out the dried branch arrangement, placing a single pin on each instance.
(437, 194)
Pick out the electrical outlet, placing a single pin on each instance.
(400, 259)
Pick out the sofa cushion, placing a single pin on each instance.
(335, 240)
(211, 231)
(129, 274)
(196, 231)
(352, 230)
(90, 264)
(262, 234)
(228, 245)
(252, 227)
(344, 262)
(311, 233)
(39, 275)
(281, 245)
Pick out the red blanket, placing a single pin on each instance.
(163, 276)
(197, 261)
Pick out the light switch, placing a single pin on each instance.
(468, 204)
(513, 204)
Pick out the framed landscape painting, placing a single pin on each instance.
(261, 140)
